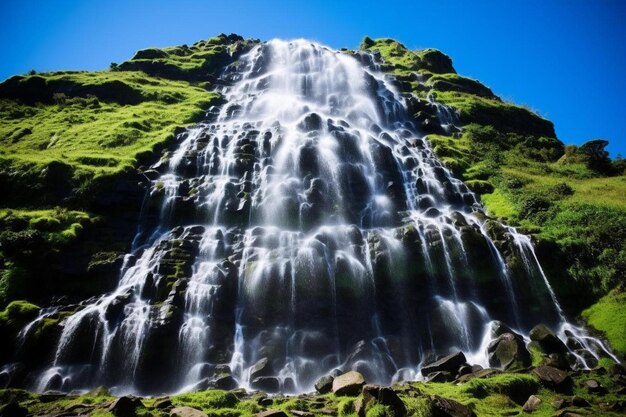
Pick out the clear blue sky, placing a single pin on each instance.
(565, 59)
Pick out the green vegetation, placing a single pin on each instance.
(609, 317)
(570, 198)
(496, 395)
(29, 234)
(97, 134)
(67, 142)
(201, 61)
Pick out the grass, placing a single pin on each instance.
(198, 62)
(91, 133)
(504, 116)
(609, 317)
(58, 225)
(405, 61)
(497, 395)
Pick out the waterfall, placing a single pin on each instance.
(306, 227)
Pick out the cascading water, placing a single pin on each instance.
(307, 227)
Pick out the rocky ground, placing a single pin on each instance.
(452, 388)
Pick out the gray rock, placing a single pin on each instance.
(300, 413)
(324, 385)
(225, 382)
(445, 407)
(349, 384)
(373, 394)
(266, 383)
(261, 368)
(125, 406)
(186, 412)
(440, 376)
(531, 404)
(553, 378)
(508, 351)
(547, 340)
(450, 363)
(163, 403)
(594, 387)
(271, 413)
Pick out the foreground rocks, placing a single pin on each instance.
(546, 390)
(349, 383)
(445, 407)
(186, 412)
(554, 378)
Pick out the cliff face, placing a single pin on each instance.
(80, 150)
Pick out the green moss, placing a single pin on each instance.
(377, 410)
(608, 316)
(207, 400)
(201, 61)
(499, 205)
(505, 117)
(516, 386)
(404, 61)
(455, 82)
(345, 407)
(97, 139)
(18, 311)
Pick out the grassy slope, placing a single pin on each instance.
(511, 156)
(609, 316)
(93, 134)
(64, 135)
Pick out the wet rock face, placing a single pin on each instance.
(508, 351)
(303, 227)
(547, 340)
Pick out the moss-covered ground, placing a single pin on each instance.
(498, 395)
(609, 317)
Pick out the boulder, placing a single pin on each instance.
(558, 360)
(162, 403)
(186, 412)
(531, 404)
(300, 413)
(125, 406)
(547, 340)
(481, 373)
(375, 394)
(264, 401)
(271, 413)
(324, 385)
(261, 368)
(445, 407)
(567, 413)
(594, 387)
(225, 382)
(266, 383)
(508, 351)
(450, 363)
(440, 376)
(349, 384)
(553, 378)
